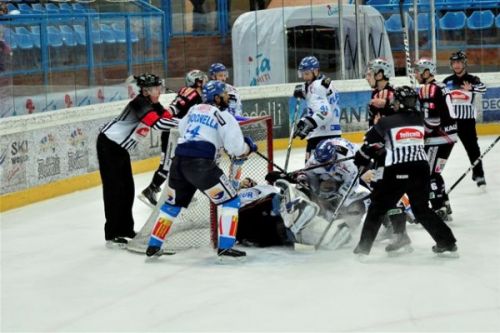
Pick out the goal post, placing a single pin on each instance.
(196, 225)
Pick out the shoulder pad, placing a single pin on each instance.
(326, 82)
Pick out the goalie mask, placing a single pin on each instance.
(325, 152)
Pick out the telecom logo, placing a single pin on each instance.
(409, 134)
(459, 95)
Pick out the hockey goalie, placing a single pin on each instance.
(301, 207)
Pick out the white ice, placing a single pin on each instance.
(57, 275)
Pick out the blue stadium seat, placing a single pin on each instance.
(120, 34)
(69, 35)
(107, 34)
(54, 36)
(393, 23)
(24, 39)
(10, 37)
(424, 22)
(453, 21)
(11, 7)
(482, 19)
(497, 21)
(51, 8)
(65, 8)
(25, 9)
(80, 31)
(38, 8)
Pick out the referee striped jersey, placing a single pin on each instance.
(135, 122)
(464, 100)
(400, 136)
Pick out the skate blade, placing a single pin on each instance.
(401, 251)
(145, 201)
(116, 246)
(448, 255)
(362, 258)
(226, 260)
(303, 247)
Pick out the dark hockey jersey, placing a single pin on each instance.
(388, 94)
(399, 136)
(135, 121)
(463, 100)
(185, 99)
(435, 102)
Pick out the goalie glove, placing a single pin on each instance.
(305, 126)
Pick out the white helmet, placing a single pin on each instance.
(195, 76)
(425, 63)
(380, 64)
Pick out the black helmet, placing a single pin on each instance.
(459, 56)
(148, 80)
(407, 98)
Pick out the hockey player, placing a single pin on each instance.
(259, 222)
(115, 140)
(377, 74)
(440, 131)
(322, 116)
(464, 89)
(401, 138)
(186, 97)
(203, 131)
(218, 71)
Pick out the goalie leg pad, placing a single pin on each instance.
(228, 223)
(168, 213)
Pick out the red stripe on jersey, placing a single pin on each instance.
(234, 226)
(150, 118)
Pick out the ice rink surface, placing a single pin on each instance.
(57, 275)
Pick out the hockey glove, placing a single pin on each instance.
(361, 160)
(299, 91)
(253, 147)
(304, 127)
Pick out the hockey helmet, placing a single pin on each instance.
(148, 80)
(459, 56)
(194, 77)
(325, 152)
(211, 89)
(308, 64)
(380, 64)
(217, 68)
(407, 98)
(424, 64)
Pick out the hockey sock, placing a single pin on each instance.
(157, 181)
(228, 223)
(168, 213)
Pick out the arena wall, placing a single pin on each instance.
(50, 154)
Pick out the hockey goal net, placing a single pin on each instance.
(196, 226)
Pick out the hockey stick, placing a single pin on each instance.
(406, 42)
(337, 210)
(304, 169)
(292, 131)
(476, 162)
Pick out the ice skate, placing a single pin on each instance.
(361, 253)
(117, 243)
(154, 251)
(447, 251)
(400, 242)
(228, 255)
(480, 182)
(148, 195)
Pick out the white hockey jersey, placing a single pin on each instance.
(322, 105)
(248, 195)
(205, 130)
(235, 106)
(342, 173)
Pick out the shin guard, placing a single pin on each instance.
(228, 223)
(168, 213)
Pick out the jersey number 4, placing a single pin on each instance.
(193, 132)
